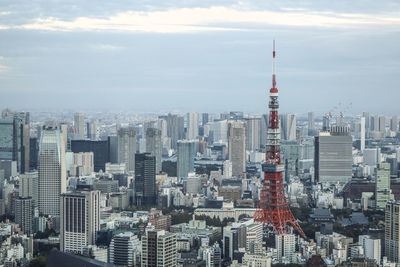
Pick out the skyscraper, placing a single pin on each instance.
(175, 128)
(311, 125)
(29, 187)
(237, 147)
(367, 123)
(362, 134)
(186, 155)
(52, 171)
(79, 126)
(285, 245)
(392, 231)
(192, 125)
(145, 179)
(253, 130)
(333, 156)
(14, 139)
(154, 145)
(382, 185)
(394, 124)
(123, 249)
(80, 220)
(100, 149)
(127, 147)
(24, 214)
(159, 249)
(288, 122)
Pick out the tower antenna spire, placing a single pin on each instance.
(273, 65)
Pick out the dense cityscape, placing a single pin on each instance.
(154, 134)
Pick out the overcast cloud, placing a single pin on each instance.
(199, 55)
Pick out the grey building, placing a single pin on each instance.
(154, 145)
(333, 156)
(159, 248)
(186, 155)
(237, 147)
(145, 179)
(175, 128)
(24, 214)
(127, 147)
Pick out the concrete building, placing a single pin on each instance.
(285, 245)
(186, 155)
(392, 231)
(145, 179)
(175, 128)
(192, 126)
(237, 147)
(24, 214)
(159, 249)
(382, 185)
(333, 156)
(79, 126)
(80, 220)
(253, 131)
(52, 171)
(394, 124)
(82, 164)
(127, 147)
(288, 126)
(124, 249)
(154, 146)
(371, 247)
(29, 186)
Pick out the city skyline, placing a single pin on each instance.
(79, 56)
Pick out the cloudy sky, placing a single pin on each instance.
(151, 55)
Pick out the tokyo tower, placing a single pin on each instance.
(273, 206)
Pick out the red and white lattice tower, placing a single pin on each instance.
(273, 206)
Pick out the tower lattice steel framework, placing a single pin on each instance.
(273, 207)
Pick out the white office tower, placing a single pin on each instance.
(237, 147)
(362, 134)
(127, 147)
(253, 130)
(192, 125)
(394, 124)
(285, 245)
(154, 146)
(124, 249)
(28, 186)
(371, 247)
(310, 122)
(257, 260)
(186, 155)
(218, 130)
(64, 134)
(79, 126)
(227, 169)
(288, 124)
(382, 186)
(82, 165)
(80, 220)
(159, 249)
(392, 231)
(52, 171)
(371, 156)
(23, 210)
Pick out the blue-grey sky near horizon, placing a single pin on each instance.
(199, 55)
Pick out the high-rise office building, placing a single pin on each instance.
(82, 164)
(100, 149)
(123, 249)
(310, 123)
(394, 124)
(91, 130)
(33, 153)
(253, 130)
(52, 171)
(14, 139)
(362, 133)
(204, 118)
(367, 123)
(29, 186)
(285, 245)
(382, 185)
(175, 128)
(186, 155)
(192, 125)
(127, 147)
(288, 126)
(237, 147)
(371, 246)
(333, 156)
(382, 124)
(392, 231)
(80, 220)
(145, 179)
(159, 249)
(24, 214)
(79, 126)
(154, 145)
